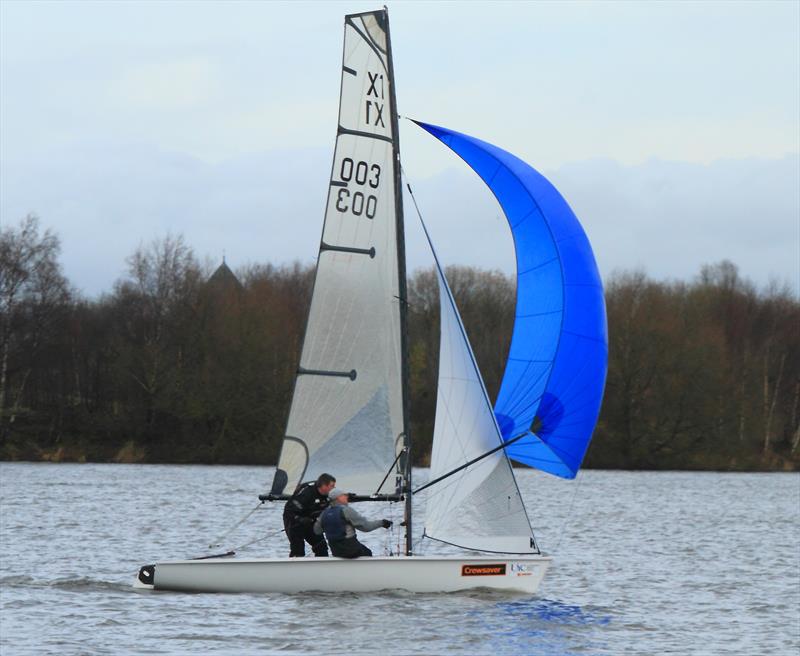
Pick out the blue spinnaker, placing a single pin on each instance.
(556, 370)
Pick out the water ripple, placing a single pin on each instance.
(673, 563)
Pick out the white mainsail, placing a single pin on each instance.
(346, 416)
(479, 507)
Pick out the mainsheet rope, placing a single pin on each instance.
(218, 542)
(261, 539)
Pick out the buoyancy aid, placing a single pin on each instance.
(333, 523)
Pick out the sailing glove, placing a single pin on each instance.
(386, 523)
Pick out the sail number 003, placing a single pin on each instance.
(358, 202)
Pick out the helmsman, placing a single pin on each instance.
(300, 512)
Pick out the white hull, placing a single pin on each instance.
(414, 573)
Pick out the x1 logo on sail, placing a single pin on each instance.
(375, 109)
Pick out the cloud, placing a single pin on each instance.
(667, 217)
(671, 217)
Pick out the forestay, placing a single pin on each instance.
(553, 383)
(346, 415)
(479, 507)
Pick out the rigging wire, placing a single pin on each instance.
(399, 455)
(503, 444)
(459, 476)
(218, 542)
(461, 546)
(261, 539)
(392, 536)
(461, 472)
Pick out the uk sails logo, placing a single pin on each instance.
(522, 569)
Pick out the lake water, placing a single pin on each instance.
(645, 563)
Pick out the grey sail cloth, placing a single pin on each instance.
(346, 416)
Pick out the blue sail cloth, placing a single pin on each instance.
(556, 370)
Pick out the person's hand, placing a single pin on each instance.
(306, 521)
(386, 523)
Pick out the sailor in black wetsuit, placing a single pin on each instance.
(300, 512)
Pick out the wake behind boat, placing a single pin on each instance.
(349, 413)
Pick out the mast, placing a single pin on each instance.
(406, 461)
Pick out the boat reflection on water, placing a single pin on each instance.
(553, 611)
(543, 627)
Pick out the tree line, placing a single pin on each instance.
(181, 363)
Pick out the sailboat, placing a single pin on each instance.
(350, 414)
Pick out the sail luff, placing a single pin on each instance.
(452, 303)
(406, 460)
(481, 509)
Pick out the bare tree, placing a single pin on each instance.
(153, 303)
(33, 291)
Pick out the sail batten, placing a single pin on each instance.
(560, 323)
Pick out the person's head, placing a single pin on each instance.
(338, 496)
(325, 483)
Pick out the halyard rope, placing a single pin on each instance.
(261, 539)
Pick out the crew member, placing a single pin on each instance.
(299, 513)
(339, 523)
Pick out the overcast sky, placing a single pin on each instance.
(671, 128)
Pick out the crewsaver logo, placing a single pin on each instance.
(483, 570)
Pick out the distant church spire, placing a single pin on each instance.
(224, 278)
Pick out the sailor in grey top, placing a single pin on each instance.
(339, 523)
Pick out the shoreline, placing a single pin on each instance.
(784, 467)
